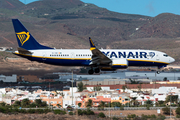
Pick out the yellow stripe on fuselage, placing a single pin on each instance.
(119, 65)
(147, 61)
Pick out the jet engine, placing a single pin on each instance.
(116, 64)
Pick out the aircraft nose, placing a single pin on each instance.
(171, 59)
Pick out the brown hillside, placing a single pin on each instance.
(10, 4)
(165, 25)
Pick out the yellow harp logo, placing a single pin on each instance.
(23, 37)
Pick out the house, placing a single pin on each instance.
(95, 101)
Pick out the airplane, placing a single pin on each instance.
(97, 59)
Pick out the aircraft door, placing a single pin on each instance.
(157, 56)
(72, 56)
(44, 56)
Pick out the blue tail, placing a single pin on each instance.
(24, 38)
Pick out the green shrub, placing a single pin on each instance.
(71, 113)
(90, 112)
(32, 105)
(84, 112)
(63, 112)
(163, 105)
(178, 111)
(153, 116)
(39, 111)
(47, 110)
(21, 111)
(31, 111)
(100, 108)
(148, 107)
(2, 109)
(115, 118)
(132, 116)
(15, 110)
(80, 112)
(177, 116)
(144, 117)
(3, 104)
(101, 115)
(121, 108)
(166, 110)
(59, 112)
(161, 117)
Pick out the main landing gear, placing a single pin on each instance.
(159, 69)
(91, 71)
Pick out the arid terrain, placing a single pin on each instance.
(52, 116)
(48, 116)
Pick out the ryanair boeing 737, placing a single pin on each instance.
(96, 59)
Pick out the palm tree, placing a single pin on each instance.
(62, 98)
(79, 104)
(89, 103)
(134, 101)
(102, 104)
(3, 104)
(124, 88)
(25, 102)
(38, 102)
(59, 106)
(17, 103)
(149, 102)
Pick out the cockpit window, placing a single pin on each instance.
(165, 55)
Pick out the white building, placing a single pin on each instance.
(12, 78)
(68, 100)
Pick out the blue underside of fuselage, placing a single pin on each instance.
(75, 62)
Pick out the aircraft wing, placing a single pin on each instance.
(98, 58)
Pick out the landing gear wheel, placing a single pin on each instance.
(158, 72)
(91, 71)
(159, 69)
(97, 70)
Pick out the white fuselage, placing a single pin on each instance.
(82, 57)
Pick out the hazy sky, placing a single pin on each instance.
(141, 7)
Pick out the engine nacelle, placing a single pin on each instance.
(119, 64)
(116, 64)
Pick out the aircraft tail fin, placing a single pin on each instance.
(92, 46)
(24, 37)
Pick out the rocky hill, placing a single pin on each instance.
(165, 25)
(10, 4)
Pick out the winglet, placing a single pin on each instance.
(92, 46)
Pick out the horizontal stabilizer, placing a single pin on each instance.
(23, 51)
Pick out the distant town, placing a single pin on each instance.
(63, 89)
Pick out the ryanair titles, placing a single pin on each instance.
(129, 54)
